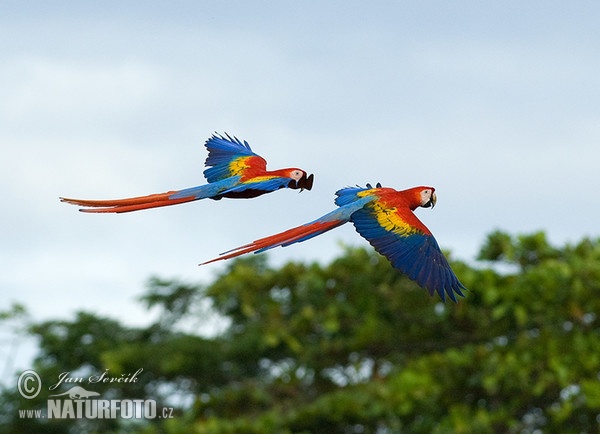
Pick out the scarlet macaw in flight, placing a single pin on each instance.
(233, 171)
(385, 218)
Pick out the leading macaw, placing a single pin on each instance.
(233, 171)
(385, 218)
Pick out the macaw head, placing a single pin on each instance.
(427, 197)
(299, 179)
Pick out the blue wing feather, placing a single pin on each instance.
(417, 255)
(221, 152)
(348, 195)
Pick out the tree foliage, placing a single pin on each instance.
(353, 346)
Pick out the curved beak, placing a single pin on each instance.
(304, 183)
(431, 202)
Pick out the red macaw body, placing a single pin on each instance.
(234, 171)
(385, 218)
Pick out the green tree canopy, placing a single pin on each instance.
(352, 346)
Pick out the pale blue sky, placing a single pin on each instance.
(495, 105)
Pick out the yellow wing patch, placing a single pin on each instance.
(390, 220)
(251, 165)
(261, 178)
(239, 165)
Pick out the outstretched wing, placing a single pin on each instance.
(397, 234)
(229, 157)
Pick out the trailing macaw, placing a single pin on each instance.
(385, 218)
(233, 171)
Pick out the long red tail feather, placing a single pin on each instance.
(129, 204)
(284, 238)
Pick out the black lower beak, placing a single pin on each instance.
(304, 183)
(429, 204)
